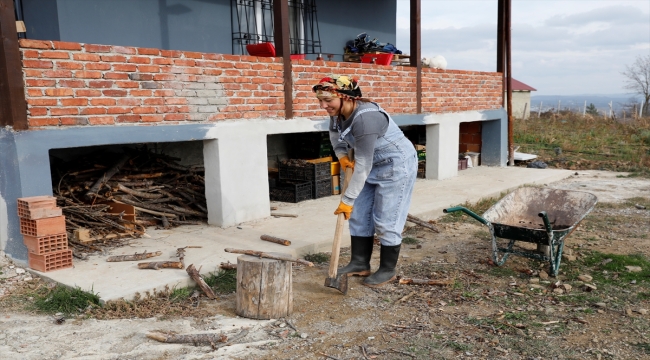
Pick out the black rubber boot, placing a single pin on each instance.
(360, 258)
(386, 271)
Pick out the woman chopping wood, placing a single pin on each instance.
(385, 167)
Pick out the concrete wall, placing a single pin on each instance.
(165, 24)
(41, 19)
(339, 23)
(521, 104)
(193, 25)
(236, 190)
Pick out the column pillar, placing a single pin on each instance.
(236, 178)
(442, 150)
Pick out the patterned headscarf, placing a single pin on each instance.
(337, 86)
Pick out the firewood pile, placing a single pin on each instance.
(107, 197)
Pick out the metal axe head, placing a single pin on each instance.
(340, 283)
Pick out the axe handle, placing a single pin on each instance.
(340, 223)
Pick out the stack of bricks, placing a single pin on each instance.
(43, 227)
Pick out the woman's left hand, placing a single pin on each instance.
(344, 209)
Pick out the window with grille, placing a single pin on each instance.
(252, 23)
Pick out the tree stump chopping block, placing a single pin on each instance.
(264, 287)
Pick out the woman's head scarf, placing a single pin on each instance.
(337, 86)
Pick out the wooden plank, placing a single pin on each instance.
(13, 106)
(20, 27)
(508, 43)
(416, 53)
(283, 49)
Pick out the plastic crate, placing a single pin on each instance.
(322, 188)
(46, 244)
(51, 261)
(308, 171)
(293, 192)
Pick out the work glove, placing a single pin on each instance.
(344, 209)
(346, 163)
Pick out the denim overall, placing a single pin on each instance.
(382, 205)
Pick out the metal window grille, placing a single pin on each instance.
(252, 23)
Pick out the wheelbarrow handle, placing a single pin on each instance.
(547, 224)
(466, 211)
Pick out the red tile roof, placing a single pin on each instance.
(519, 86)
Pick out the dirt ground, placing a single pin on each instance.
(486, 312)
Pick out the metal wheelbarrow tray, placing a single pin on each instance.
(534, 215)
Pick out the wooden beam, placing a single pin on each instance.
(416, 49)
(283, 50)
(500, 49)
(13, 106)
(508, 43)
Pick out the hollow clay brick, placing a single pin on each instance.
(42, 227)
(51, 261)
(37, 207)
(46, 244)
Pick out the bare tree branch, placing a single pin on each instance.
(638, 79)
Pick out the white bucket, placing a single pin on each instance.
(474, 156)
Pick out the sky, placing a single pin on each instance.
(559, 47)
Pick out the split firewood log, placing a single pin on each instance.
(214, 340)
(134, 257)
(268, 256)
(407, 281)
(194, 274)
(107, 176)
(276, 240)
(228, 266)
(422, 223)
(161, 265)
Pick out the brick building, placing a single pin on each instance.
(98, 73)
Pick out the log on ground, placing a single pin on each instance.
(134, 257)
(194, 274)
(161, 265)
(264, 288)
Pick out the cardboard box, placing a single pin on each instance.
(336, 168)
(336, 185)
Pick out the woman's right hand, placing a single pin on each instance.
(346, 163)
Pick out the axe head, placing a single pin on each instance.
(340, 283)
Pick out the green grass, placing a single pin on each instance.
(600, 263)
(644, 347)
(180, 294)
(317, 258)
(501, 271)
(587, 142)
(459, 346)
(62, 299)
(223, 281)
(410, 241)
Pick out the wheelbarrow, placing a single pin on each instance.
(534, 215)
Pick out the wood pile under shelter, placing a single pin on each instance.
(108, 196)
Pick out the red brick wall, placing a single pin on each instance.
(84, 84)
(393, 87)
(72, 84)
(470, 137)
(458, 90)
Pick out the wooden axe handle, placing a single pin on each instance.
(340, 223)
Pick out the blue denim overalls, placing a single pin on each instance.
(382, 205)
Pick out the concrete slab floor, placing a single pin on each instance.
(312, 231)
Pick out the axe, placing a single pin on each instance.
(334, 280)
